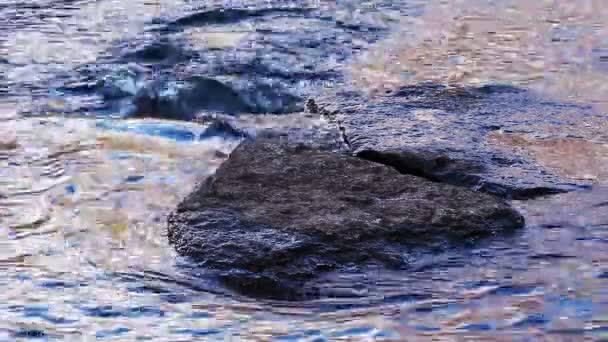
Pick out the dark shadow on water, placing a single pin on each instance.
(231, 15)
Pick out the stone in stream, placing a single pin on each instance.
(277, 215)
(222, 129)
(182, 101)
(185, 100)
(156, 52)
(448, 134)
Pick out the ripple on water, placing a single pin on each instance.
(102, 334)
(42, 312)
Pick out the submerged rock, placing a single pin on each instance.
(445, 134)
(183, 101)
(277, 215)
(157, 52)
(230, 15)
(222, 129)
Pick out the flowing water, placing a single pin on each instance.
(84, 190)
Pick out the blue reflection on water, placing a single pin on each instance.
(170, 131)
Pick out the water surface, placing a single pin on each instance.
(84, 191)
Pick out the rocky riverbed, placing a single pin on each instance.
(498, 100)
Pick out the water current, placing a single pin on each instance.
(85, 187)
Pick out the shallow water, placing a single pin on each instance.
(84, 191)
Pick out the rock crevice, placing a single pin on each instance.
(444, 134)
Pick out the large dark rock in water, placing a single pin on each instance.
(445, 134)
(276, 215)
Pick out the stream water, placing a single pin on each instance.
(84, 189)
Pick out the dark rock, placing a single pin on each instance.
(221, 128)
(277, 215)
(156, 52)
(230, 15)
(442, 134)
(183, 101)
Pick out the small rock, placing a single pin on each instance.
(183, 101)
(156, 52)
(220, 154)
(222, 129)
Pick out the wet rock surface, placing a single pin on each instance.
(277, 215)
(448, 134)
